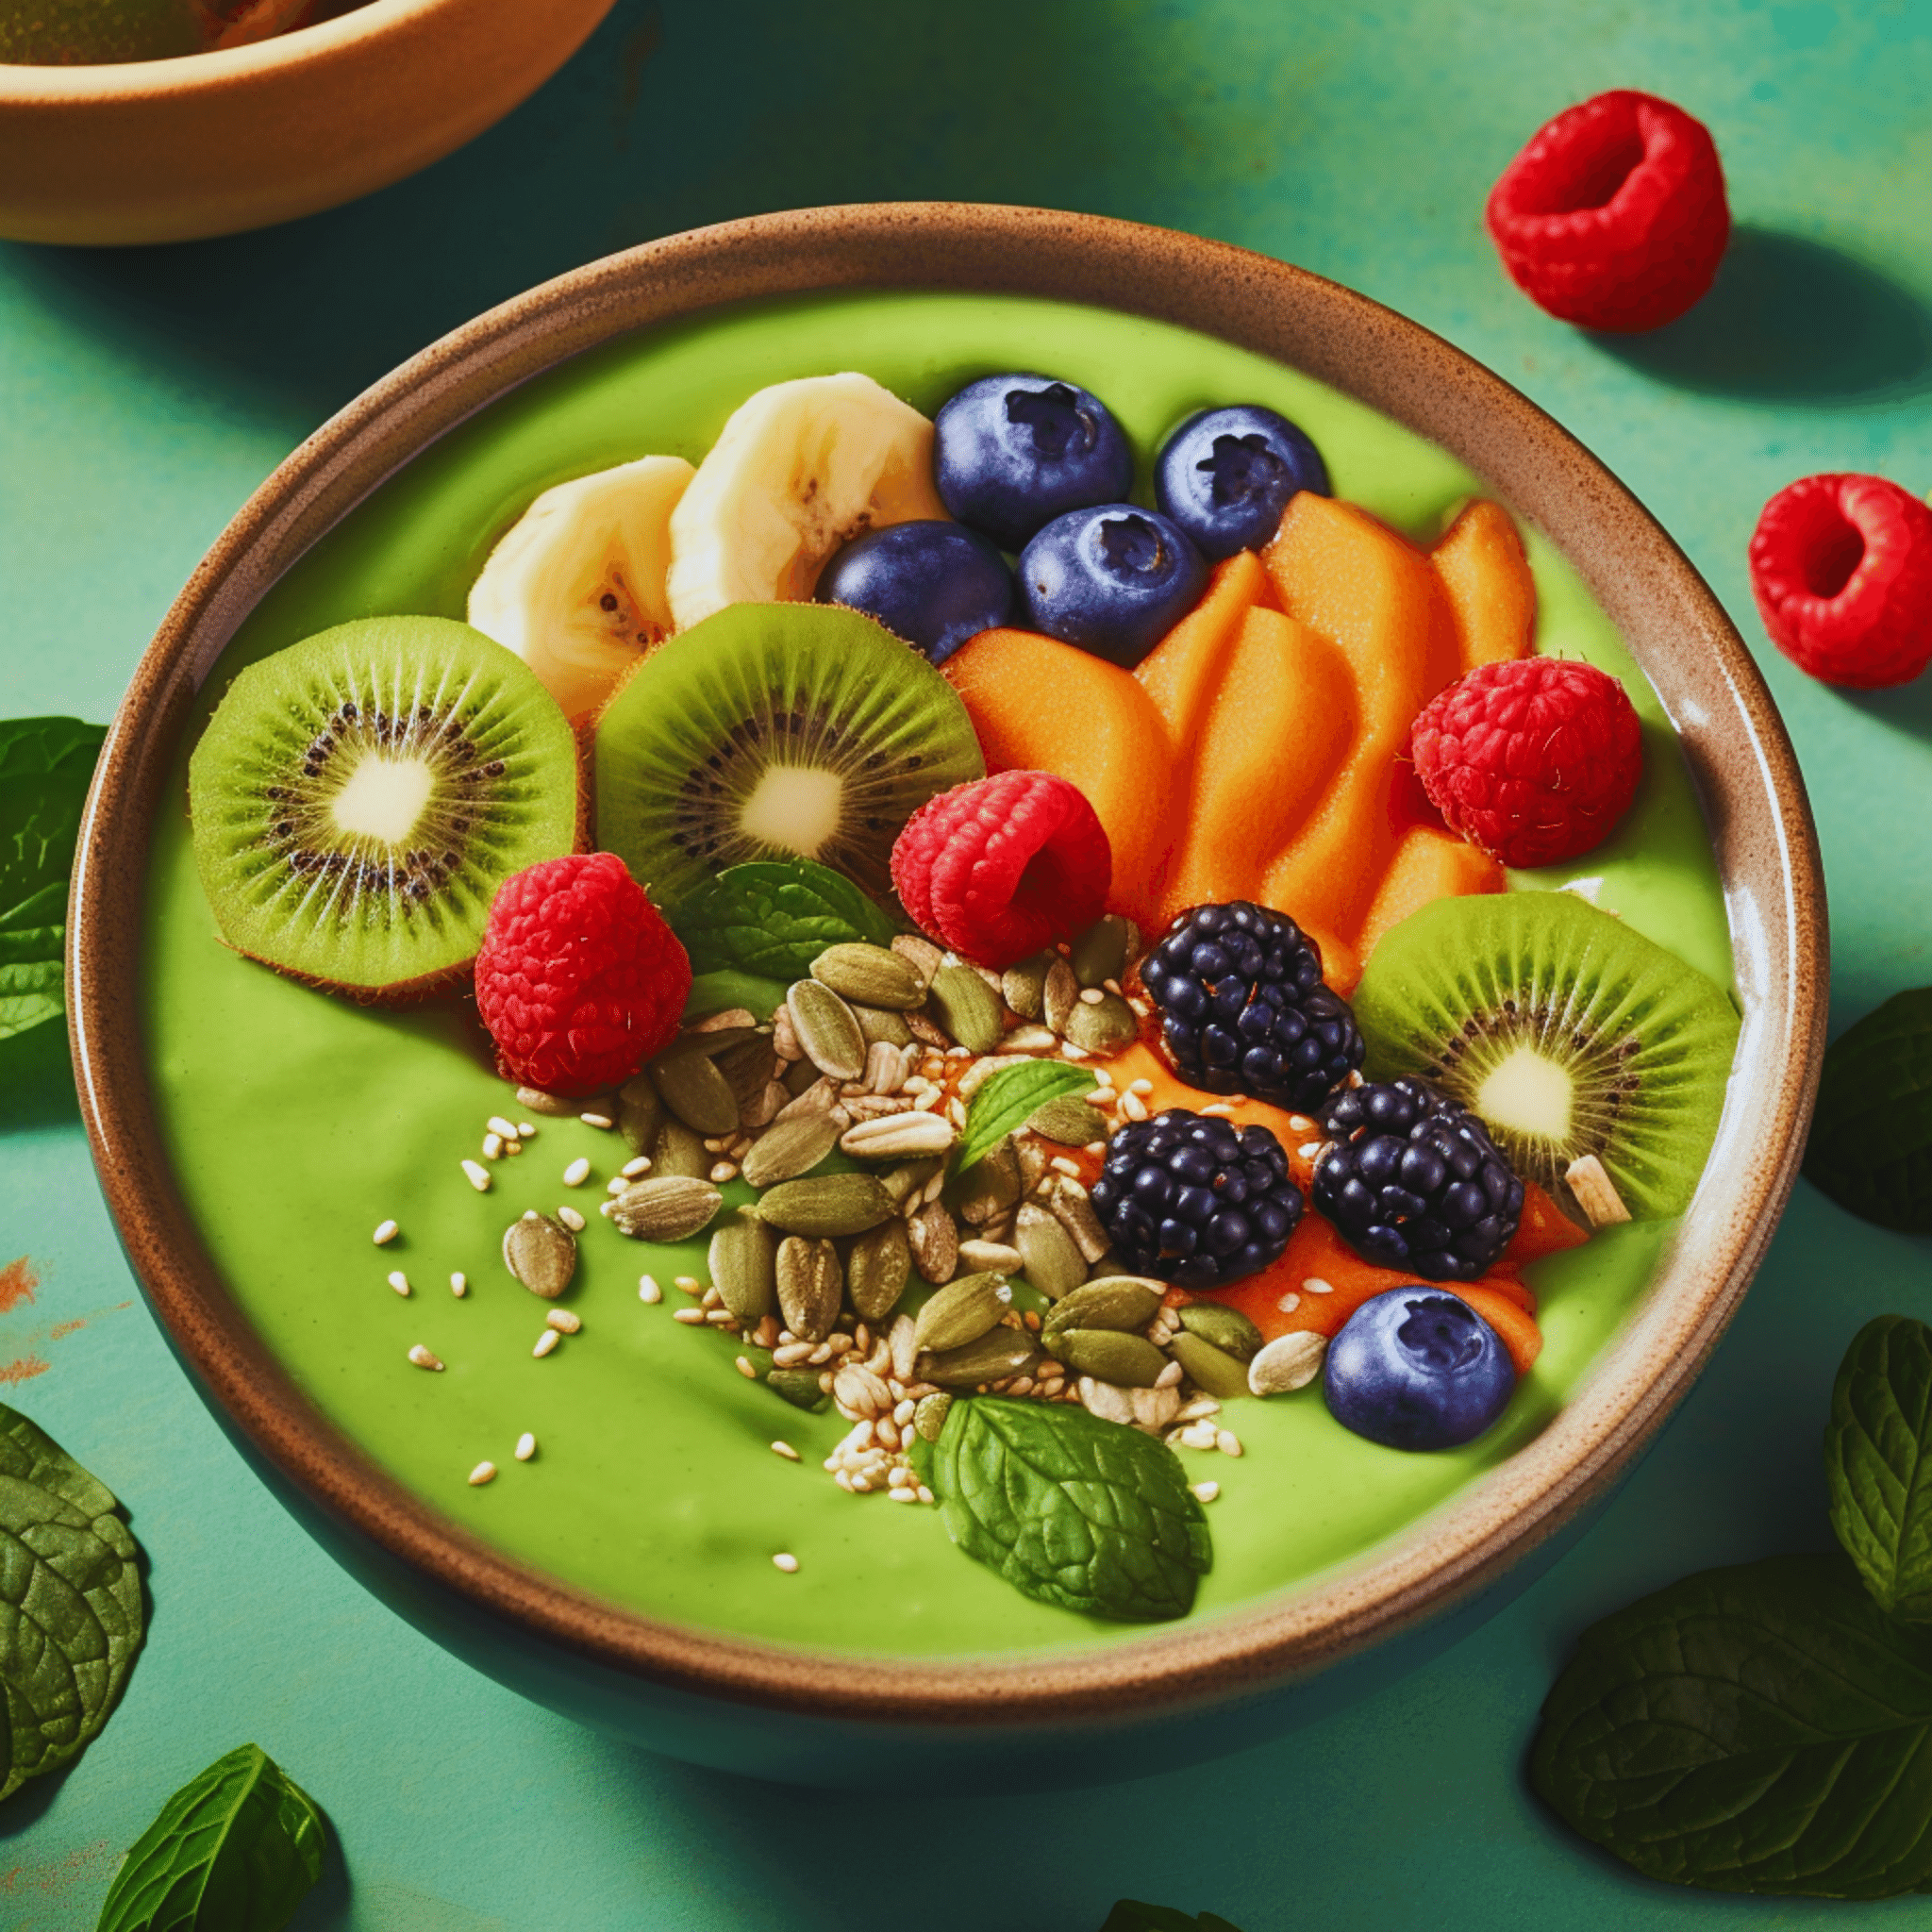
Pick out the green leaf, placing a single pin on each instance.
(1010, 1098)
(234, 1850)
(1086, 1514)
(1765, 1728)
(70, 1603)
(1130, 1915)
(773, 918)
(1878, 1463)
(30, 990)
(1870, 1146)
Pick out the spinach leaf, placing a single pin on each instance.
(1764, 1729)
(1870, 1146)
(1878, 1463)
(773, 918)
(1086, 1514)
(234, 1850)
(70, 1604)
(1130, 1915)
(1009, 1099)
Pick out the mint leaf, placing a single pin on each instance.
(1878, 1463)
(70, 1604)
(1086, 1514)
(234, 1850)
(773, 918)
(1764, 1729)
(1870, 1146)
(1130, 1915)
(31, 988)
(1010, 1098)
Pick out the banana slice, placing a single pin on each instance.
(800, 468)
(576, 587)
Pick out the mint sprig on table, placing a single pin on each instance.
(1766, 1728)
(1006, 1102)
(773, 918)
(1871, 1145)
(71, 1616)
(234, 1850)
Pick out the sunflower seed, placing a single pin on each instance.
(1075, 1212)
(982, 1070)
(1101, 1025)
(827, 1203)
(749, 1067)
(1101, 952)
(540, 1253)
(1210, 1368)
(1226, 1328)
(870, 977)
(1128, 1361)
(826, 1029)
(935, 1242)
(809, 1285)
(960, 1312)
(665, 1208)
(688, 1083)
(743, 1266)
(898, 1137)
(1126, 1301)
(995, 1355)
(1288, 1362)
(788, 1148)
(1052, 1263)
(1060, 993)
(966, 1006)
(877, 1269)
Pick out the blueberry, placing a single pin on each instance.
(1112, 580)
(1416, 1368)
(1011, 453)
(933, 584)
(1226, 475)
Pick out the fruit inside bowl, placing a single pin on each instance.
(1051, 1109)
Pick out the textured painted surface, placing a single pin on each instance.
(144, 394)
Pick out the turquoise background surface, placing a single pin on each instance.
(144, 394)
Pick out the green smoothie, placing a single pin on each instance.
(298, 1120)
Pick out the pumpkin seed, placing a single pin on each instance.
(788, 1148)
(1288, 1362)
(696, 1093)
(1069, 1121)
(869, 976)
(935, 1241)
(640, 1113)
(1021, 985)
(665, 1208)
(676, 1151)
(1127, 1302)
(1226, 1328)
(901, 1182)
(1209, 1367)
(540, 1253)
(827, 1203)
(960, 1312)
(990, 1186)
(1128, 1361)
(966, 1006)
(877, 1024)
(826, 1029)
(1102, 1027)
(1060, 993)
(743, 1263)
(1100, 953)
(1052, 1263)
(799, 1075)
(898, 1136)
(799, 1387)
(877, 1269)
(929, 1418)
(997, 1354)
(810, 1286)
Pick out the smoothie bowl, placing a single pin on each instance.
(1016, 1187)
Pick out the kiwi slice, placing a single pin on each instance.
(358, 798)
(775, 731)
(1565, 1031)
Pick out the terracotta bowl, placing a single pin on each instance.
(1184, 1691)
(209, 143)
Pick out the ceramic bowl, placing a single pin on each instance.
(209, 143)
(1183, 1690)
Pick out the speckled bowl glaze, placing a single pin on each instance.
(209, 143)
(1185, 1691)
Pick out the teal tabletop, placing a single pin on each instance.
(144, 393)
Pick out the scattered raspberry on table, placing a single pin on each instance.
(1533, 759)
(1000, 868)
(1842, 569)
(579, 980)
(1614, 216)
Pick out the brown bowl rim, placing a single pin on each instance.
(1747, 776)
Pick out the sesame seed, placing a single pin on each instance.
(546, 1342)
(1227, 1442)
(526, 1131)
(459, 1284)
(1289, 1303)
(503, 1129)
(1090, 996)
(477, 1175)
(786, 1450)
(690, 1283)
(526, 1446)
(570, 1219)
(1315, 1285)
(423, 1359)
(648, 1289)
(399, 1281)
(694, 1316)
(784, 1560)
(483, 1473)
(725, 1171)
(386, 1231)
(594, 1120)
(492, 1146)
(616, 1185)
(1206, 1492)
(632, 1169)
(745, 1369)
(565, 1321)
(578, 1173)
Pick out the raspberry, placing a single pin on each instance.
(1533, 759)
(999, 869)
(1841, 568)
(580, 981)
(1614, 216)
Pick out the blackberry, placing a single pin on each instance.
(1414, 1182)
(1192, 1199)
(1243, 1009)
